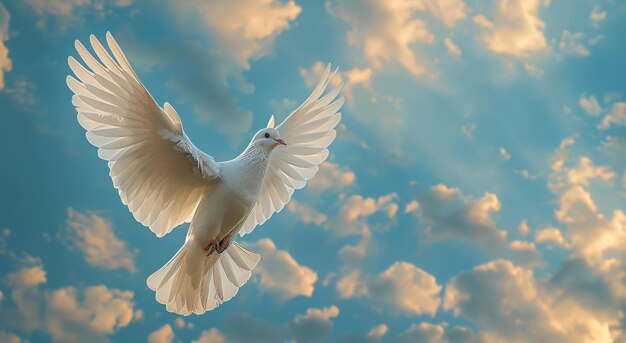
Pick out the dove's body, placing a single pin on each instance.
(166, 181)
(222, 210)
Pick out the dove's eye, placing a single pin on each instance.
(267, 135)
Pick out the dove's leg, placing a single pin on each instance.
(212, 246)
(224, 243)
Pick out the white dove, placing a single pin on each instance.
(166, 181)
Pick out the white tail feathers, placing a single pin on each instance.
(192, 282)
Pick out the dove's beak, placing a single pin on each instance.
(280, 141)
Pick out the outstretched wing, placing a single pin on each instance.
(308, 131)
(160, 175)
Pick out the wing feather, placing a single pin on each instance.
(159, 173)
(308, 131)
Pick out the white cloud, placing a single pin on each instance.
(504, 153)
(354, 213)
(403, 287)
(332, 176)
(246, 28)
(5, 62)
(314, 326)
(524, 229)
(94, 236)
(102, 312)
(511, 306)
(306, 213)
(448, 212)
(551, 235)
(282, 274)
(164, 334)
(180, 323)
(516, 29)
(525, 253)
(388, 30)
(573, 44)
(453, 49)
(211, 336)
(597, 15)
(378, 331)
(66, 314)
(586, 171)
(31, 276)
(411, 207)
(617, 116)
(590, 105)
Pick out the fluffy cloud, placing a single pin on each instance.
(505, 154)
(101, 312)
(597, 15)
(573, 44)
(5, 61)
(378, 331)
(590, 105)
(551, 235)
(510, 305)
(314, 326)
(452, 48)
(423, 332)
(589, 231)
(67, 314)
(164, 334)
(388, 30)
(282, 274)
(246, 28)
(354, 213)
(403, 287)
(180, 323)
(586, 171)
(306, 213)
(449, 213)
(94, 236)
(515, 29)
(617, 116)
(211, 336)
(332, 176)
(525, 253)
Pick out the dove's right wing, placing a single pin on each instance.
(308, 131)
(160, 175)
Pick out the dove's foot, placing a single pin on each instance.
(212, 246)
(223, 244)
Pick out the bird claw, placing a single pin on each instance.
(223, 244)
(217, 245)
(211, 247)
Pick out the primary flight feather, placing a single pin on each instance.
(166, 181)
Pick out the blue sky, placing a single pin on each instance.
(475, 191)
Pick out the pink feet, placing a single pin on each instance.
(212, 246)
(216, 245)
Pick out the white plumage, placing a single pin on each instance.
(166, 181)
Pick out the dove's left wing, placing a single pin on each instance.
(157, 170)
(308, 131)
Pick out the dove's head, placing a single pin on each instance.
(268, 139)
